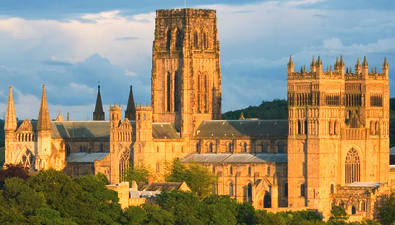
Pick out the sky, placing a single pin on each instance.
(72, 45)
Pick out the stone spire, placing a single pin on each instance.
(98, 114)
(10, 117)
(44, 122)
(68, 117)
(59, 118)
(130, 111)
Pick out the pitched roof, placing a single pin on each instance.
(80, 129)
(82, 157)
(236, 158)
(239, 128)
(164, 130)
(160, 186)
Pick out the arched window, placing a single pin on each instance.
(205, 94)
(144, 116)
(168, 39)
(198, 147)
(362, 206)
(231, 170)
(265, 147)
(210, 147)
(286, 190)
(27, 159)
(195, 40)
(178, 39)
(268, 170)
(353, 210)
(302, 190)
(231, 189)
(332, 189)
(124, 165)
(230, 147)
(176, 91)
(249, 192)
(168, 91)
(281, 147)
(244, 147)
(299, 127)
(249, 170)
(213, 169)
(205, 41)
(101, 147)
(67, 150)
(352, 166)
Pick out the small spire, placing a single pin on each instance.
(68, 117)
(98, 114)
(337, 61)
(341, 59)
(327, 68)
(301, 69)
(59, 118)
(10, 116)
(319, 60)
(350, 69)
(364, 63)
(130, 111)
(330, 68)
(371, 70)
(358, 63)
(242, 116)
(347, 70)
(385, 64)
(375, 69)
(313, 61)
(304, 68)
(44, 121)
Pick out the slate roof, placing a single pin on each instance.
(236, 158)
(160, 186)
(164, 131)
(82, 157)
(239, 128)
(80, 129)
(392, 151)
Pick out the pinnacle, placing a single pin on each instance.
(44, 122)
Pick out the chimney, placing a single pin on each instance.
(150, 180)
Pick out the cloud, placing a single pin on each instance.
(126, 38)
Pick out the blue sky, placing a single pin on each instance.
(71, 45)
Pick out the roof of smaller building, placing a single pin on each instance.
(160, 186)
(365, 184)
(236, 158)
(164, 130)
(83, 157)
(239, 128)
(392, 151)
(80, 129)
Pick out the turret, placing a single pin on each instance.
(318, 67)
(10, 117)
(336, 66)
(358, 68)
(115, 116)
(342, 66)
(144, 123)
(312, 65)
(290, 66)
(98, 114)
(365, 68)
(385, 68)
(130, 111)
(43, 135)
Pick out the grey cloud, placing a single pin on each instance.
(126, 38)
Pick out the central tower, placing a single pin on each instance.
(186, 74)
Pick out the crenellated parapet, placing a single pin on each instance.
(206, 13)
(340, 71)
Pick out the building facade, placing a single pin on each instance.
(332, 150)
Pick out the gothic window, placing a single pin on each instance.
(353, 210)
(299, 127)
(168, 39)
(124, 164)
(249, 192)
(286, 190)
(205, 41)
(352, 167)
(231, 170)
(362, 206)
(332, 189)
(176, 91)
(27, 159)
(178, 39)
(198, 147)
(281, 147)
(230, 147)
(168, 92)
(231, 189)
(101, 147)
(67, 150)
(268, 170)
(249, 170)
(210, 147)
(205, 94)
(302, 190)
(244, 147)
(195, 40)
(265, 147)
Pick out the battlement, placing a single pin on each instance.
(205, 13)
(115, 107)
(143, 108)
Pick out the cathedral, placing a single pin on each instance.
(332, 150)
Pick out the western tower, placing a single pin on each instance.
(186, 74)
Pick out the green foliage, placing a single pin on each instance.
(134, 215)
(276, 109)
(339, 215)
(386, 213)
(102, 178)
(138, 173)
(2, 153)
(198, 178)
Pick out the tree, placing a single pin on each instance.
(199, 178)
(339, 215)
(134, 215)
(262, 217)
(14, 171)
(386, 212)
(138, 174)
